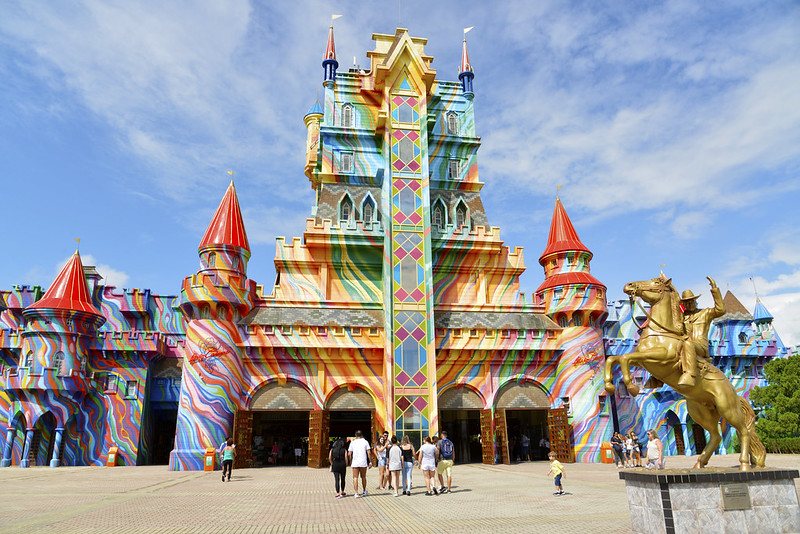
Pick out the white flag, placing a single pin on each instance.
(467, 29)
(334, 17)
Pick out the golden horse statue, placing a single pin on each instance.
(711, 397)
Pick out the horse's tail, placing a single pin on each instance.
(758, 453)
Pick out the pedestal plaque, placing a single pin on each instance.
(712, 500)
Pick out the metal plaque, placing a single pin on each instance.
(735, 496)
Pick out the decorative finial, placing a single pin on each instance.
(557, 188)
(78, 248)
(662, 270)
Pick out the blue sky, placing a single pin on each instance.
(673, 127)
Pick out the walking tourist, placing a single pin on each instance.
(526, 447)
(407, 449)
(445, 465)
(544, 447)
(358, 458)
(395, 464)
(557, 470)
(427, 457)
(655, 451)
(228, 454)
(628, 451)
(338, 460)
(380, 453)
(388, 446)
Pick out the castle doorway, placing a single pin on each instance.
(460, 415)
(521, 411)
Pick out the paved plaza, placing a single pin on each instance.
(485, 498)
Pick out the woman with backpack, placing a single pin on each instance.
(338, 466)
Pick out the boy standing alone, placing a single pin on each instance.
(557, 470)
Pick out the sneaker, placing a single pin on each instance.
(223, 478)
(365, 493)
(428, 493)
(395, 494)
(562, 492)
(390, 487)
(408, 493)
(441, 489)
(338, 495)
(435, 492)
(358, 495)
(557, 493)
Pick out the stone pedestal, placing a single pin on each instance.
(712, 500)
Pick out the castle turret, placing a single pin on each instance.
(575, 300)
(466, 74)
(54, 353)
(312, 121)
(214, 301)
(329, 63)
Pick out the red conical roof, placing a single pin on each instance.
(69, 290)
(227, 227)
(466, 66)
(563, 237)
(330, 51)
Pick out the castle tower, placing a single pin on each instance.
(215, 382)
(52, 374)
(575, 300)
(312, 121)
(762, 318)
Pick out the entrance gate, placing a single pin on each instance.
(460, 415)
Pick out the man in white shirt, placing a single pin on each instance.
(358, 458)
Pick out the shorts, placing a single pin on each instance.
(298, 452)
(381, 461)
(445, 467)
(428, 465)
(557, 480)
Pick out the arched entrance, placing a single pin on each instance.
(278, 415)
(674, 424)
(460, 415)
(521, 411)
(351, 410)
(15, 440)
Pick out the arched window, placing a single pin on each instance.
(454, 169)
(346, 209)
(438, 216)
(346, 162)
(347, 116)
(563, 321)
(236, 263)
(58, 363)
(368, 209)
(452, 123)
(27, 359)
(212, 259)
(461, 215)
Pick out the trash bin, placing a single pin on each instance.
(210, 459)
(111, 461)
(606, 453)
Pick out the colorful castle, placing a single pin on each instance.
(400, 308)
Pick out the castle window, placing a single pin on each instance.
(490, 334)
(346, 162)
(473, 332)
(130, 389)
(454, 169)
(557, 293)
(212, 259)
(373, 331)
(563, 321)
(303, 330)
(405, 148)
(592, 321)
(505, 333)
(347, 116)
(404, 113)
(461, 215)
(58, 363)
(457, 332)
(322, 331)
(286, 329)
(452, 123)
(346, 209)
(368, 209)
(26, 361)
(110, 383)
(742, 337)
(268, 329)
(236, 263)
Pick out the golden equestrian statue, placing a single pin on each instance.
(673, 348)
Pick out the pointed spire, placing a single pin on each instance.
(466, 66)
(316, 109)
(466, 74)
(760, 314)
(227, 227)
(563, 237)
(69, 290)
(329, 63)
(330, 50)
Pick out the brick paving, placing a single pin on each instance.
(485, 498)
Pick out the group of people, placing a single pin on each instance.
(435, 456)
(628, 450)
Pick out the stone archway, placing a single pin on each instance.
(460, 416)
(521, 411)
(348, 409)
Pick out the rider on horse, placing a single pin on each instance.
(697, 322)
